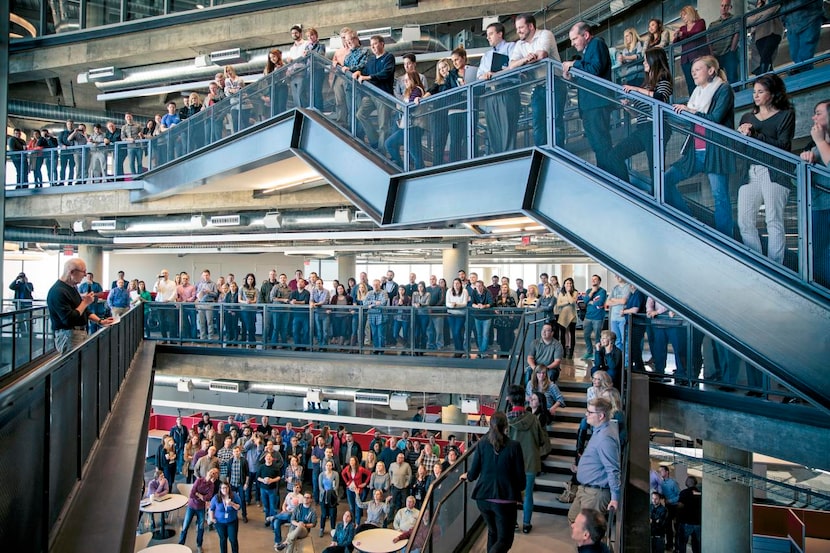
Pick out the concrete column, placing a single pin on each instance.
(345, 267)
(726, 500)
(635, 526)
(94, 257)
(454, 259)
(451, 414)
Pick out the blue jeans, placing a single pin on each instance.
(200, 525)
(242, 492)
(527, 506)
(689, 531)
(483, 334)
(437, 332)
(378, 333)
(663, 336)
(400, 329)
(357, 512)
(228, 531)
(395, 142)
(279, 328)
(270, 501)
(617, 326)
(322, 328)
(457, 331)
(135, 154)
(591, 327)
(803, 43)
(282, 518)
(300, 330)
(719, 184)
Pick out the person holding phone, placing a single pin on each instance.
(68, 308)
(224, 514)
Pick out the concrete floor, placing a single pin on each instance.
(550, 533)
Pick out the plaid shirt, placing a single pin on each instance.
(428, 459)
(224, 455)
(235, 466)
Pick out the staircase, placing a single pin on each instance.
(556, 467)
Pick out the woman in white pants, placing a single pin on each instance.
(771, 121)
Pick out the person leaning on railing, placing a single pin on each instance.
(68, 309)
(772, 121)
(819, 153)
(713, 100)
(658, 85)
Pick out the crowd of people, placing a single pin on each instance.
(709, 64)
(418, 316)
(299, 477)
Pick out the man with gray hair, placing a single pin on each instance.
(68, 309)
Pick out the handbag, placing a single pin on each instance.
(331, 498)
(569, 493)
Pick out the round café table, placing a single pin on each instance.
(378, 540)
(167, 548)
(174, 501)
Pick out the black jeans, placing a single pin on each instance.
(500, 519)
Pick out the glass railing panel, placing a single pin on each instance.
(246, 112)
(375, 112)
(297, 77)
(603, 118)
(274, 94)
(820, 225)
(722, 179)
(680, 353)
(443, 118)
(510, 111)
(342, 87)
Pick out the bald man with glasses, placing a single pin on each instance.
(68, 309)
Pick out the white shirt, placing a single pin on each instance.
(542, 40)
(165, 290)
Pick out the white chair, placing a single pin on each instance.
(142, 541)
(182, 489)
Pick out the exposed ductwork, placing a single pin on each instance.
(249, 222)
(50, 236)
(185, 71)
(53, 112)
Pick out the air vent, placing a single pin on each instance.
(371, 397)
(109, 224)
(104, 74)
(226, 220)
(224, 57)
(226, 386)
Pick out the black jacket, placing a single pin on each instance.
(500, 476)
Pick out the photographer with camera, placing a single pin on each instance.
(22, 289)
(166, 292)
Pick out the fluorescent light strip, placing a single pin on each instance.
(294, 236)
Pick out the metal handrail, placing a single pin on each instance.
(731, 472)
(516, 359)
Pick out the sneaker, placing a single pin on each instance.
(280, 546)
(322, 532)
(245, 519)
(527, 528)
